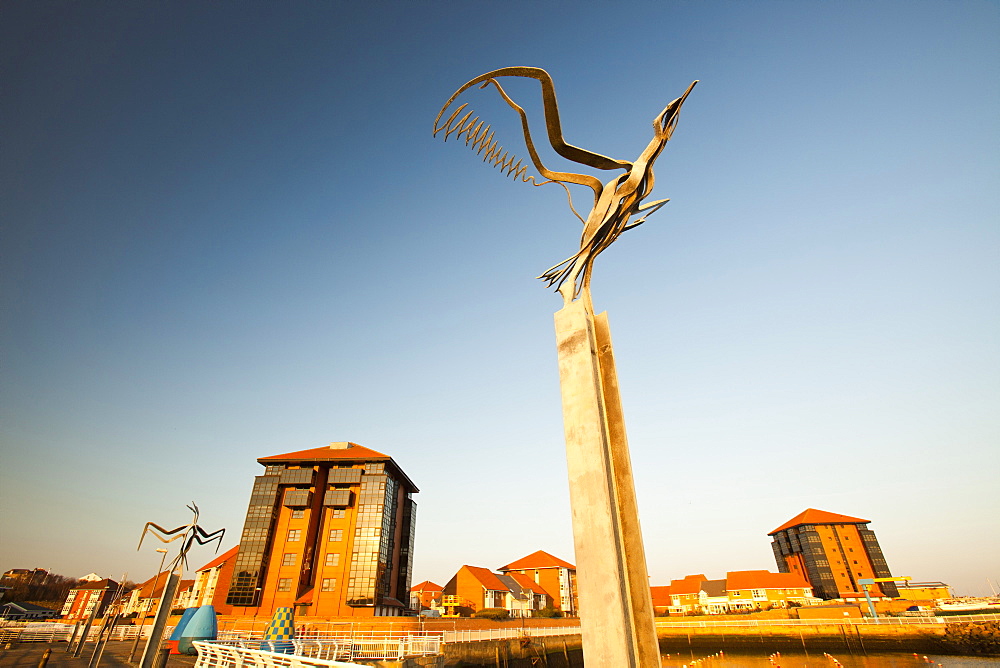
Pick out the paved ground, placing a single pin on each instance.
(28, 655)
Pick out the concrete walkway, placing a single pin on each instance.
(28, 654)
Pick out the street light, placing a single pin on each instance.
(145, 607)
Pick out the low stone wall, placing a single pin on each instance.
(854, 639)
(553, 652)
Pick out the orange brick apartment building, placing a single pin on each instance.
(832, 552)
(329, 531)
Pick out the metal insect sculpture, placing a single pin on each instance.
(615, 202)
(187, 533)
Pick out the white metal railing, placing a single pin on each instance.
(475, 635)
(368, 646)
(56, 632)
(211, 655)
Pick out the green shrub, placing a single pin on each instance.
(548, 612)
(496, 614)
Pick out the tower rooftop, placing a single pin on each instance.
(813, 516)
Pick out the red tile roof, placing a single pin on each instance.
(661, 595)
(539, 560)
(160, 580)
(106, 583)
(426, 585)
(528, 583)
(691, 584)
(327, 453)
(486, 578)
(221, 559)
(736, 580)
(813, 516)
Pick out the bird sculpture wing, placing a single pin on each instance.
(464, 124)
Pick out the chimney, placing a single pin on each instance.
(340, 445)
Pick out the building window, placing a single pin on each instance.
(338, 514)
(758, 593)
(298, 514)
(333, 559)
(288, 559)
(336, 535)
(329, 584)
(284, 584)
(294, 535)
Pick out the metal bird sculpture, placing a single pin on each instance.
(615, 202)
(188, 533)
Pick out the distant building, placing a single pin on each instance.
(762, 590)
(211, 581)
(739, 591)
(832, 552)
(923, 591)
(329, 531)
(474, 588)
(556, 576)
(26, 611)
(425, 596)
(25, 575)
(86, 596)
(142, 600)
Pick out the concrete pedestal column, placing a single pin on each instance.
(616, 611)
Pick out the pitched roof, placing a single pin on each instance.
(29, 607)
(661, 595)
(528, 583)
(106, 583)
(714, 587)
(736, 580)
(146, 589)
(353, 451)
(813, 516)
(691, 584)
(426, 585)
(538, 559)
(486, 578)
(221, 559)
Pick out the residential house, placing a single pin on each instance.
(740, 591)
(474, 588)
(211, 581)
(87, 596)
(762, 590)
(554, 575)
(145, 599)
(26, 611)
(425, 596)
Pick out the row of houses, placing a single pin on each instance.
(739, 591)
(523, 588)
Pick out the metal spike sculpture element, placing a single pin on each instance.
(615, 202)
(188, 533)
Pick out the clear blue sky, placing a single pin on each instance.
(228, 233)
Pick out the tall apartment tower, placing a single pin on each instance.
(832, 552)
(329, 532)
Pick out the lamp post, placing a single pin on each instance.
(145, 607)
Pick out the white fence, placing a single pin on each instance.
(369, 646)
(211, 655)
(55, 632)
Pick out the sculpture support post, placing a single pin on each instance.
(616, 611)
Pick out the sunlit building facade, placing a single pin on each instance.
(329, 531)
(832, 552)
